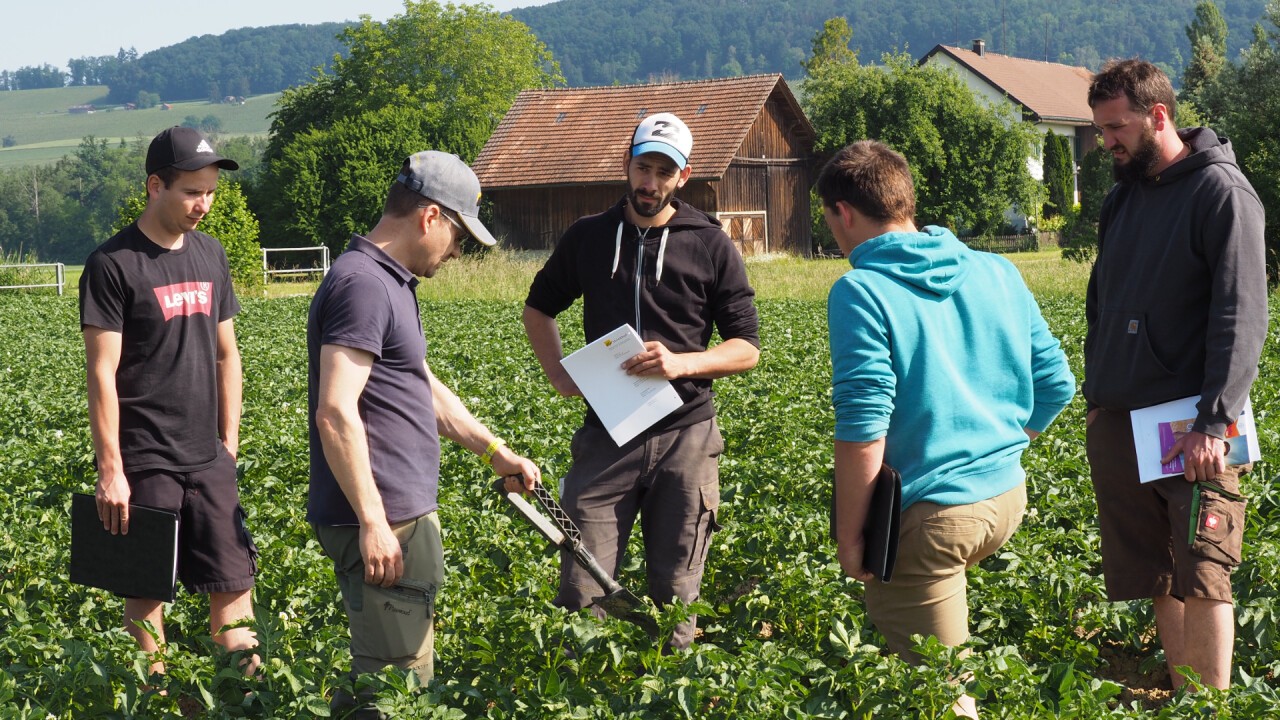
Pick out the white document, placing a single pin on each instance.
(626, 404)
(1157, 428)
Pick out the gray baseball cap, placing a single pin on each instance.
(443, 177)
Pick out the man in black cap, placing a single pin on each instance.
(376, 416)
(156, 308)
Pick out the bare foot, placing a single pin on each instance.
(965, 707)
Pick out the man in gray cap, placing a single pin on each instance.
(163, 370)
(376, 414)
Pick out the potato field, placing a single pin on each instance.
(784, 634)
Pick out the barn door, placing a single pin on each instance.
(748, 230)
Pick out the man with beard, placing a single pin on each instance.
(1177, 307)
(669, 271)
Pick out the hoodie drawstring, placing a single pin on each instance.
(662, 251)
(617, 251)
(617, 254)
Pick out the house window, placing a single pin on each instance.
(702, 108)
(560, 117)
(642, 113)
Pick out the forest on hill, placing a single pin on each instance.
(639, 40)
(642, 40)
(247, 61)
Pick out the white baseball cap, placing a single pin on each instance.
(663, 133)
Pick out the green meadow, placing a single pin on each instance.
(43, 130)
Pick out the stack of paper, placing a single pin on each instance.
(627, 405)
(1157, 428)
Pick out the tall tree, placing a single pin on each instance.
(1249, 95)
(33, 77)
(831, 45)
(1059, 174)
(1209, 26)
(968, 159)
(437, 77)
(1207, 34)
(1080, 237)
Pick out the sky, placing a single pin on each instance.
(33, 33)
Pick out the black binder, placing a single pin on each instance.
(884, 520)
(141, 564)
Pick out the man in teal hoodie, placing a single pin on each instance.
(942, 367)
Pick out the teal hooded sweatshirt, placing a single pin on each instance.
(942, 351)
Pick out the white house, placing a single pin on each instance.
(1053, 96)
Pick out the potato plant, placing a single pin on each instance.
(784, 635)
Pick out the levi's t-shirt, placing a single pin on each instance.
(166, 304)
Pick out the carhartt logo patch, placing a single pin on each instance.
(1211, 522)
(1133, 327)
(204, 147)
(189, 298)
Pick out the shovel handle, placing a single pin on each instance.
(557, 513)
(563, 533)
(572, 537)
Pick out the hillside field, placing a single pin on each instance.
(44, 130)
(784, 635)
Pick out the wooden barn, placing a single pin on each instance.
(558, 155)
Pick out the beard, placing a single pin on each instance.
(659, 203)
(1142, 159)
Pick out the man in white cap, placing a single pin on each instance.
(669, 271)
(377, 413)
(164, 383)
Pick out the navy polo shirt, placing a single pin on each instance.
(367, 302)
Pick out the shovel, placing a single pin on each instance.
(556, 526)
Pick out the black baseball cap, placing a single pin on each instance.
(184, 148)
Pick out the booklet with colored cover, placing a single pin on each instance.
(1157, 428)
(140, 564)
(627, 405)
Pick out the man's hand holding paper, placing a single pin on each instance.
(657, 361)
(1203, 456)
(626, 401)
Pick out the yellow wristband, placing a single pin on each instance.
(487, 456)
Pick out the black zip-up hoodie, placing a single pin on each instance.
(672, 284)
(1177, 302)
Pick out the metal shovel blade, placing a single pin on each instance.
(624, 605)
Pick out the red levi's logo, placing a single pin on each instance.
(1211, 522)
(188, 298)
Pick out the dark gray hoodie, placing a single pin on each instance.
(1177, 302)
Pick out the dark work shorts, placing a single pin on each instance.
(1165, 537)
(215, 550)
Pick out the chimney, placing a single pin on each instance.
(979, 48)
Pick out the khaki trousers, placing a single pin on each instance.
(396, 625)
(938, 543)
